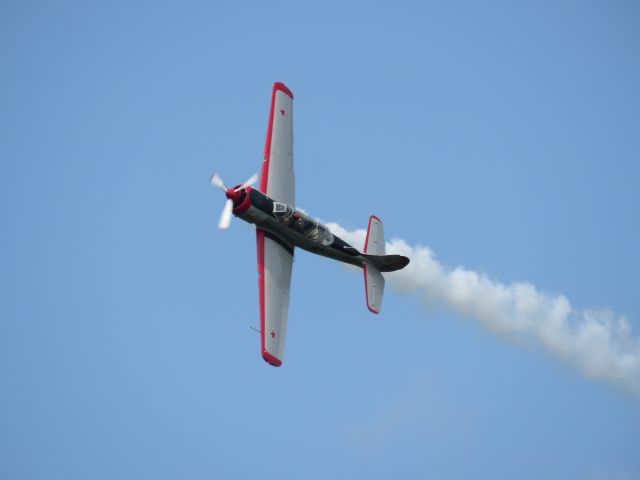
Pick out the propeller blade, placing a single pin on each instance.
(225, 218)
(216, 181)
(251, 180)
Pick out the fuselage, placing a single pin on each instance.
(290, 227)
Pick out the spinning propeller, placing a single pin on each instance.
(231, 193)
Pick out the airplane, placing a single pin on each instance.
(280, 227)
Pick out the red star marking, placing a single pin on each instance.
(273, 334)
(283, 112)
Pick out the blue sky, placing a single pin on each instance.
(505, 137)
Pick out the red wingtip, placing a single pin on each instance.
(283, 88)
(270, 359)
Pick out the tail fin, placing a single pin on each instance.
(387, 263)
(375, 261)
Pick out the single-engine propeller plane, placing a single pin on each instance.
(280, 228)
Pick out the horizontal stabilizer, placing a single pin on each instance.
(374, 244)
(375, 262)
(373, 287)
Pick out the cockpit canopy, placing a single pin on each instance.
(302, 224)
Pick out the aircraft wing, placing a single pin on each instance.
(277, 177)
(275, 261)
(275, 257)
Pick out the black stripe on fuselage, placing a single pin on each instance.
(279, 241)
(260, 201)
(263, 203)
(343, 247)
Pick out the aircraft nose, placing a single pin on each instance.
(234, 193)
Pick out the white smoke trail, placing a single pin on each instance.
(597, 341)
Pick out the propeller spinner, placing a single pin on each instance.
(225, 217)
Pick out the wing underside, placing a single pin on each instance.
(277, 178)
(274, 281)
(275, 260)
